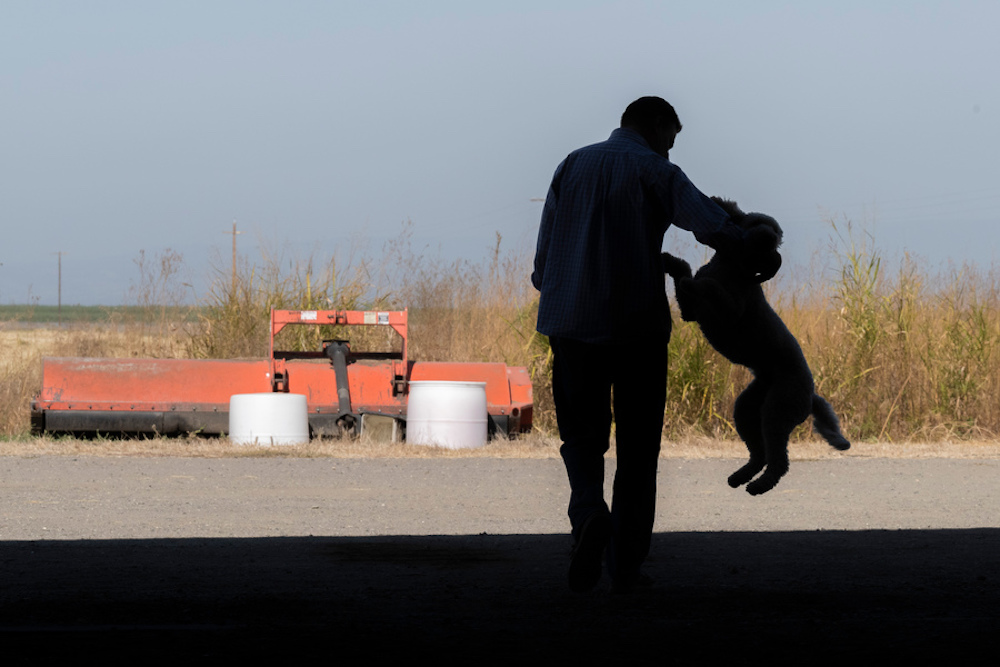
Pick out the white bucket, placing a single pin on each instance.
(268, 419)
(447, 414)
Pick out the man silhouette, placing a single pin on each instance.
(604, 307)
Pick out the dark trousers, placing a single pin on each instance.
(588, 383)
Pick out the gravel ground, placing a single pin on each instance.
(463, 560)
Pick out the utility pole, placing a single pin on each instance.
(60, 253)
(234, 233)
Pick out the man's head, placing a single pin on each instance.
(655, 119)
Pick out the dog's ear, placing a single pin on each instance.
(768, 266)
(762, 233)
(755, 221)
(762, 241)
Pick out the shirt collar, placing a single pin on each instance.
(630, 135)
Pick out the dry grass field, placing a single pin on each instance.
(909, 358)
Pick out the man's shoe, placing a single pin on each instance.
(585, 563)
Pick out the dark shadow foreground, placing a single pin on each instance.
(748, 598)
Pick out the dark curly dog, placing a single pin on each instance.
(726, 300)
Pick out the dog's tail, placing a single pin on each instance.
(825, 423)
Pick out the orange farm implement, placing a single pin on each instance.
(345, 389)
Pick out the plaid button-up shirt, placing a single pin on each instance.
(597, 263)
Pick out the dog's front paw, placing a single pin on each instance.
(675, 267)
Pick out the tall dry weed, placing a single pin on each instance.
(162, 303)
(235, 318)
(20, 376)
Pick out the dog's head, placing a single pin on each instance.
(762, 238)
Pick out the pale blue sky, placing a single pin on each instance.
(128, 125)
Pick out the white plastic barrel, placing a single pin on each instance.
(447, 414)
(268, 419)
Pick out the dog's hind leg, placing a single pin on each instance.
(747, 415)
(777, 463)
(825, 423)
(785, 407)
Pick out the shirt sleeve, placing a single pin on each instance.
(698, 214)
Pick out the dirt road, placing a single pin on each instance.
(463, 561)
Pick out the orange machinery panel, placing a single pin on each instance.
(147, 384)
(371, 385)
(172, 395)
